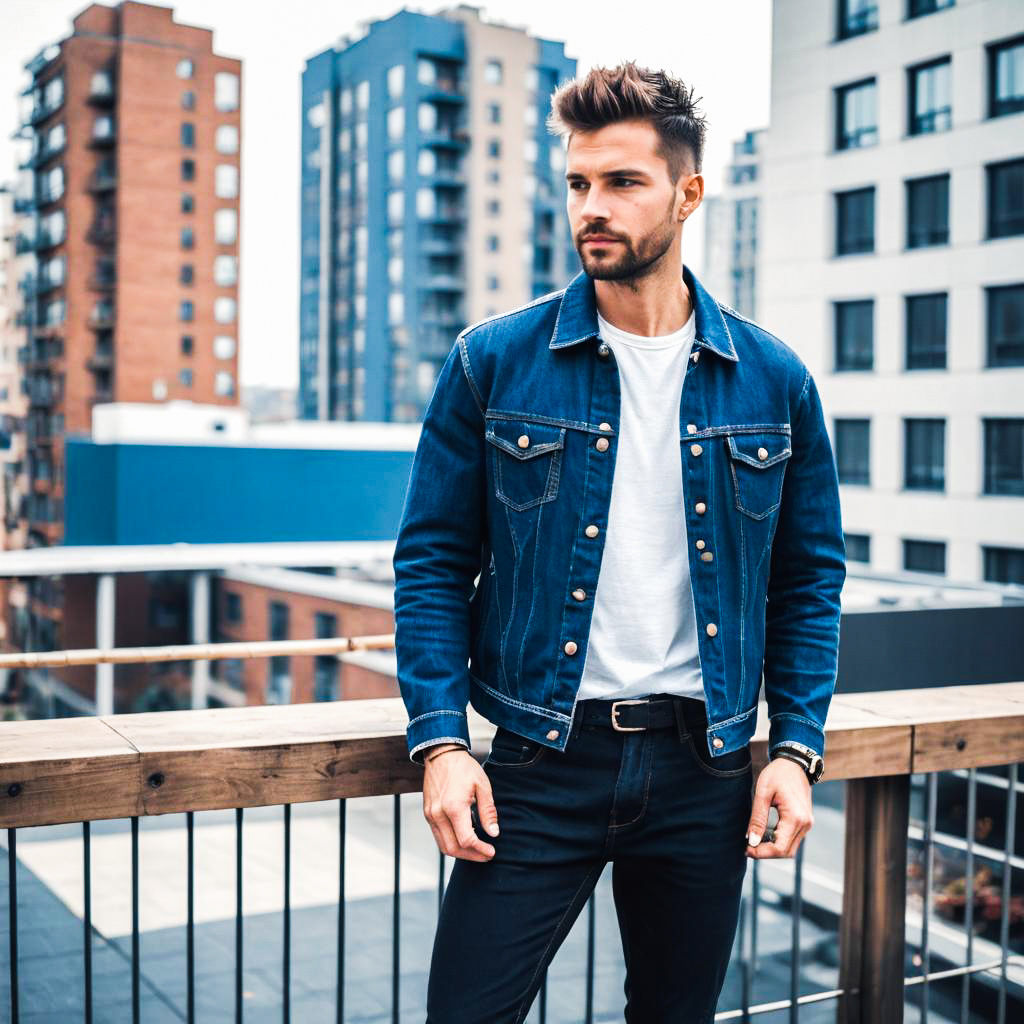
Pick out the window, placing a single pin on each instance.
(279, 683)
(494, 147)
(928, 211)
(187, 275)
(426, 118)
(493, 72)
(224, 346)
(1005, 325)
(858, 547)
(493, 243)
(188, 134)
(225, 309)
(493, 207)
(223, 383)
(188, 170)
(225, 91)
(1005, 198)
(187, 344)
(494, 113)
(919, 8)
(493, 283)
(396, 80)
(188, 202)
(494, 176)
(926, 331)
(325, 668)
(226, 138)
(187, 239)
(103, 127)
(185, 377)
(396, 165)
(855, 221)
(225, 182)
(396, 308)
(924, 556)
(1004, 565)
(931, 101)
(426, 71)
(855, 334)
(225, 271)
(232, 607)
(856, 17)
(856, 115)
(852, 451)
(186, 311)
(188, 100)
(396, 123)
(1004, 457)
(225, 226)
(363, 96)
(186, 68)
(924, 455)
(1006, 77)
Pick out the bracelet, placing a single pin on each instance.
(795, 758)
(447, 750)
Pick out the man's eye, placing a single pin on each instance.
(574, 184)
(626, 181)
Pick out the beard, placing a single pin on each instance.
(635, 259)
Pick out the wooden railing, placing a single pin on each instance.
(122, 766)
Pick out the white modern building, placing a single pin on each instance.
(892, 259)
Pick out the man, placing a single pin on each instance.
(643, 481)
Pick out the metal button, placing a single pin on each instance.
(707, 556)
(700, 508)
(552, 734)
(695, 356)
(604, 426)
(602, 444)
(712, 629)
(762, 453)
(691, 428)
(570, 647)
(603, 350)
(701, 545)
(718, 743)
(591, 530)
(695, 449)
(579, 594)
(524, 441)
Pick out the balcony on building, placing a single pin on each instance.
(104, 178)
(101, 89)
(104, 134)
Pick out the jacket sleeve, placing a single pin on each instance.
(806, 576)
(438, 555)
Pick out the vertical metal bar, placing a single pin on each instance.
(929, 869)
(341, 911)
(970, 829)
(1004, 923)
(395, 910)
(136, 1010)
(286, 967)
(544, 998)
(87, 918)
(238, 915)
(591, 921)
(794, 945)
(755, 896)
(745, 906)
(190, 929)
(12, 912)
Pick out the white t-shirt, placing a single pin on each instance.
(643, 636)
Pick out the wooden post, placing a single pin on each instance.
(872, 931)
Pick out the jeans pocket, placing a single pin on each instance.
(510, 750)
(732, 765)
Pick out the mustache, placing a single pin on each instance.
(599, 234)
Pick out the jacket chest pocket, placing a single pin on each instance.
(526, 460)
(757, 463)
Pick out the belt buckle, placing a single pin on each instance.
(615, 712)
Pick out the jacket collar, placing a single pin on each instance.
(577, 316)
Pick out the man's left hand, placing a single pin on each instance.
(784, 784)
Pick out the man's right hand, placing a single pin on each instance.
(451, 782)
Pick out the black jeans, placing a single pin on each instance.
(672, 822)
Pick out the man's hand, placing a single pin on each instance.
(784, 784)
(451, 782)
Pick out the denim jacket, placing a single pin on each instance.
(507, 504)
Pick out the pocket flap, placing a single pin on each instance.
(759, 450)
(523, 439)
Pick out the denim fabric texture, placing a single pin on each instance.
(507, 505)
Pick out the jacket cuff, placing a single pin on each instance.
(789, 728)
(436, 727)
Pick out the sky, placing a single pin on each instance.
(722, 49)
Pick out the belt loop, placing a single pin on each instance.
(681, 728)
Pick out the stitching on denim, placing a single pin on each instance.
(512, 607)
(743, 612)
(731, 721)
(796, 717)
(431, 742)
(647, 790)
(550, 297)
(434, 714)
(529, 417)
(523, 1007)
(533, 593)
(506, 699)
(753, 323)
(467, 369)
(719, 773)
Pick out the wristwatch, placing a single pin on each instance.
(811, 762)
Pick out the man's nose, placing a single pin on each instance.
(594, 206)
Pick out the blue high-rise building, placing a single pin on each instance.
(433, 196)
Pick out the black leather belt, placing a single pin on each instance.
(639, 713)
